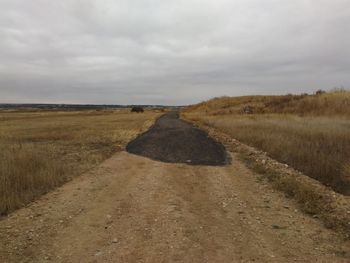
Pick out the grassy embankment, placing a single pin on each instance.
(42, 150)
(310, 132)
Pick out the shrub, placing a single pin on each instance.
(320, 92)
(137, 109)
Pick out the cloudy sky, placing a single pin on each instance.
(170, 52)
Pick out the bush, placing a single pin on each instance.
(137, 109)
(320, 92)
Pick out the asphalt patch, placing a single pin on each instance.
(176, 141)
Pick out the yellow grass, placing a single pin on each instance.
(42, 150)
(327, 104)
(315, 141)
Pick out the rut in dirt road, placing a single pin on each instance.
(176, 141)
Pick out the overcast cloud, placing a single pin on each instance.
(170, 52)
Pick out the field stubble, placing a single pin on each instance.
(42, 150)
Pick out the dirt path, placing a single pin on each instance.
(133, 209)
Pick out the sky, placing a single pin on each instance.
(170, 52)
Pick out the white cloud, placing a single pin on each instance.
(174, 52)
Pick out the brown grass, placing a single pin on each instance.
(326, 104)
(42, 150)
(316, 142)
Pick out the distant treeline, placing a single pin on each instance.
(76, 106)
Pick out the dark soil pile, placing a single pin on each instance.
(175, 141)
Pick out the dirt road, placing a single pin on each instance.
(133, 209)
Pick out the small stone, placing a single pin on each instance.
(115, 240)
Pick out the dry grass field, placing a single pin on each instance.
(41, 150)
(310, 133)
(336, 103)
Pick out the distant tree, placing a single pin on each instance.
(137, 109)
(320, 91)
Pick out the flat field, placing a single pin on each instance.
(41, 150)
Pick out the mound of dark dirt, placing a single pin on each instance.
(173, 140)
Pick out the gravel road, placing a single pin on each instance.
(176, 141)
